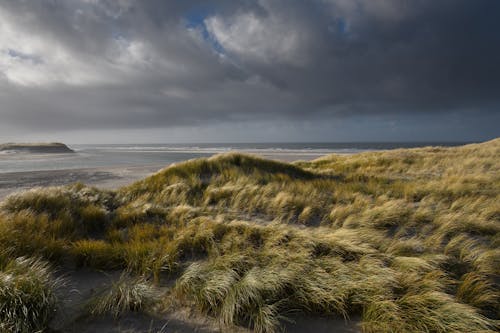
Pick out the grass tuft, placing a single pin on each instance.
(27, 299)
(126, 294)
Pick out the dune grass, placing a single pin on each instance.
(27, 299)
(126, 294)
(409, 240)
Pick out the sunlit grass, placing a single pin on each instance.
(126, 294)
(407, 239)
(27, 299)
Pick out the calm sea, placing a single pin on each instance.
(127, 155)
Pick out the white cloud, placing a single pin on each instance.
(41, 59)
(54, 62)
(266, 39)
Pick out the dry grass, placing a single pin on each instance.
(27, 299)
(408, 239)
(126, 294)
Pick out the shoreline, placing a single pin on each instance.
(106, 177)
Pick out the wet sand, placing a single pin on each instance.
(106, 178)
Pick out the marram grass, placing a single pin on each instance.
(27, 299)
(126, 294)
(408, 240)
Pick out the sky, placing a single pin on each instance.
(125, 71)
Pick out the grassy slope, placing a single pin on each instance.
(408, 239)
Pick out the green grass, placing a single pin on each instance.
(408, 240)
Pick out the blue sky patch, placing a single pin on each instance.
(195, 19)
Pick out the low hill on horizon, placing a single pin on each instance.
(40, 148)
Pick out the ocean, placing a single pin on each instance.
(129, 155)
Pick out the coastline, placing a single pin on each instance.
(104, 178)
(109, 178)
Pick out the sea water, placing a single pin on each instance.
(129, 155)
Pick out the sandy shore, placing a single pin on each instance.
(107, 178)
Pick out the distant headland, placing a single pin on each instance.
(37, 148)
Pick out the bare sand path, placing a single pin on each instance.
(81, 285)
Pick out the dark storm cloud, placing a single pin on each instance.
(88, 64)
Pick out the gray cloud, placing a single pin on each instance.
(132, 64)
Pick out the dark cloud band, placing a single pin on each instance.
(138, 64)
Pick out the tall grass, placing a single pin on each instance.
(407, 239)
(126, 294)
(27, 299)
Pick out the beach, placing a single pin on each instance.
(107, 177)
(104, 178)
(113, 166)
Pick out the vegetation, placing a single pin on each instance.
(127, 294)
(407, 239)
(27, 300)
(44, 148)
